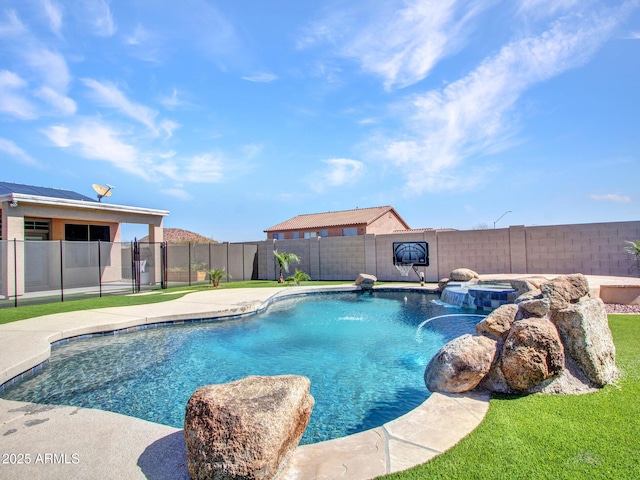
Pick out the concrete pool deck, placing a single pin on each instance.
(60, 442)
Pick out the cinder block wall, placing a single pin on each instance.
(596, 249)
(592, 249)
(485, 251)
(341, 257)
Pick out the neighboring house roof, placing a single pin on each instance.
(178, 235)
(359, 216)
(415, 230)
(9, 188)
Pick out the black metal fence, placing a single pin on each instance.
(34, 272)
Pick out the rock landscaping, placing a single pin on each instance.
(246, 429)
(554, 339)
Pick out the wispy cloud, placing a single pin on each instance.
(51, 67)
(338, 172)
(13, 150)
(368, 121)
(47, 70)
(252, 150)
(177, 192)
(202, 168)
(53, 11)
(109, 95)
(472, 116)
(168, 127)
(63, 104)
(261, 77)
(145, 45)
(12, 97)
(403, 42)
(139, 36)
(97, 13)
(175, 100)
(13, 26)
(95, 140)
(611, 197)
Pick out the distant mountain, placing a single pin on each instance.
(178, 235)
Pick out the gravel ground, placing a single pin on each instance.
(616, 308)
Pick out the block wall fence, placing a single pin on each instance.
(591, 249)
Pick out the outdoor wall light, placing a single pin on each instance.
(14, 204)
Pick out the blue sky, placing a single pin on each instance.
(235, 116)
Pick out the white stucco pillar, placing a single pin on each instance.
(13, 251)
(156, 236)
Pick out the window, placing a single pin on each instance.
(350, 232)
(80, 253)
(35, 229)
(278, 236)
(87, 233)
(296, 234)
(324, 233)
(310, 234)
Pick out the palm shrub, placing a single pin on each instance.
(215, 275)
(284, 260)
(298, 277)
(633, 248)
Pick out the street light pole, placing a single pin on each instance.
(494, 223)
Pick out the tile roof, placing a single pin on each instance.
(358, 216)
(7, 188)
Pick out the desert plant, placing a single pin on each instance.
(284, 260)
(633, 248)
(298, 277)
(215, 275)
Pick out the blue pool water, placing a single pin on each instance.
(365, 354)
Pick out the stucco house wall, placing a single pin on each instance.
(388, 223)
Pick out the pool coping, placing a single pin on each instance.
(414, 438)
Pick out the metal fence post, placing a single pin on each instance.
(164, 247)
(61, 272)
(133, 278)
(99, 269)
(15, 274)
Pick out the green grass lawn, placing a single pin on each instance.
(593, 436)
(11, 314)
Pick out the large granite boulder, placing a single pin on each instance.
(564, 290)
(584, 329)
(532, 353)
(535, 307)
(366, 281)
(463, 275)
(498, 323)
(461, 364)
(524, 285)
(246, 429)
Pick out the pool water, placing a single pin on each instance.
(365, 354)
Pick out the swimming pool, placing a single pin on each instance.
(365, 354)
